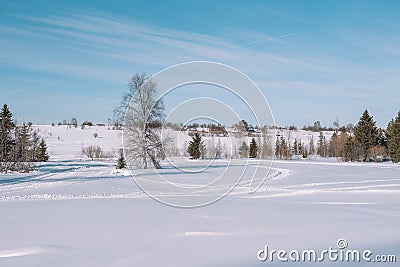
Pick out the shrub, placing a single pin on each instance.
(93, 152)
(121, 160)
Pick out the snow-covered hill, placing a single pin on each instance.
(66, 142)
(76, 212)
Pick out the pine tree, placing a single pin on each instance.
(352, 150)
(295, 147)
(393, 139)
(283, 149)
(42, 154)
(366, 133)
(253, 149)
(382, 138)
(244, 150)
(7, 141)
(6, 118)
(303, 150)
(349, 149)
(196, 148)
(322, 146)
(23, 143)
(121, 160)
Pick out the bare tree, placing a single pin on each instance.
(143, 142)
(93, 152)
(88, 151)
(74, 122)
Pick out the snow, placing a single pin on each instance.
(75, 212)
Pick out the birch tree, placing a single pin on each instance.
(143, 142)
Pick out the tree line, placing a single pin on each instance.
(364, 142)
(197, 149)
(20, 145)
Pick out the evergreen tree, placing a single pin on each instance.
(253, 149)
(196, 148)
(121, 160)
(295, 147)
(283, 149)
(393, 139)
(42, 153)
(382, 138)
(349, 147)
(23, 143)
(6, 118)
(6, 139)
(322, 145)
(19, 145)
(352, 150)
(366, 133)
(303, 150)
(244, 150)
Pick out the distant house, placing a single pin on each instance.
(218, 131)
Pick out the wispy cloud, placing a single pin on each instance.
(267, 40)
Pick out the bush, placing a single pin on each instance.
(121, 160)
(93, 152)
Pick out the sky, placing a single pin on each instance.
(312, 60)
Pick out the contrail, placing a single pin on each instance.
(266, 40)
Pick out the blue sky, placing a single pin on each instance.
(313, 60)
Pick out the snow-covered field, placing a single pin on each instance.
(83, 213)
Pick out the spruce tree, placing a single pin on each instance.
(349, 149)
(7, 141)
(322, 146)
(366, 134)
(295, 147)
(121, 160)
(253, 149)
(382, 138)
(393, 139)
(283, 149)
(352, 150)
(303, 150)
(6, 118)
(23, 143)
(42, 154)
(196, 148)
